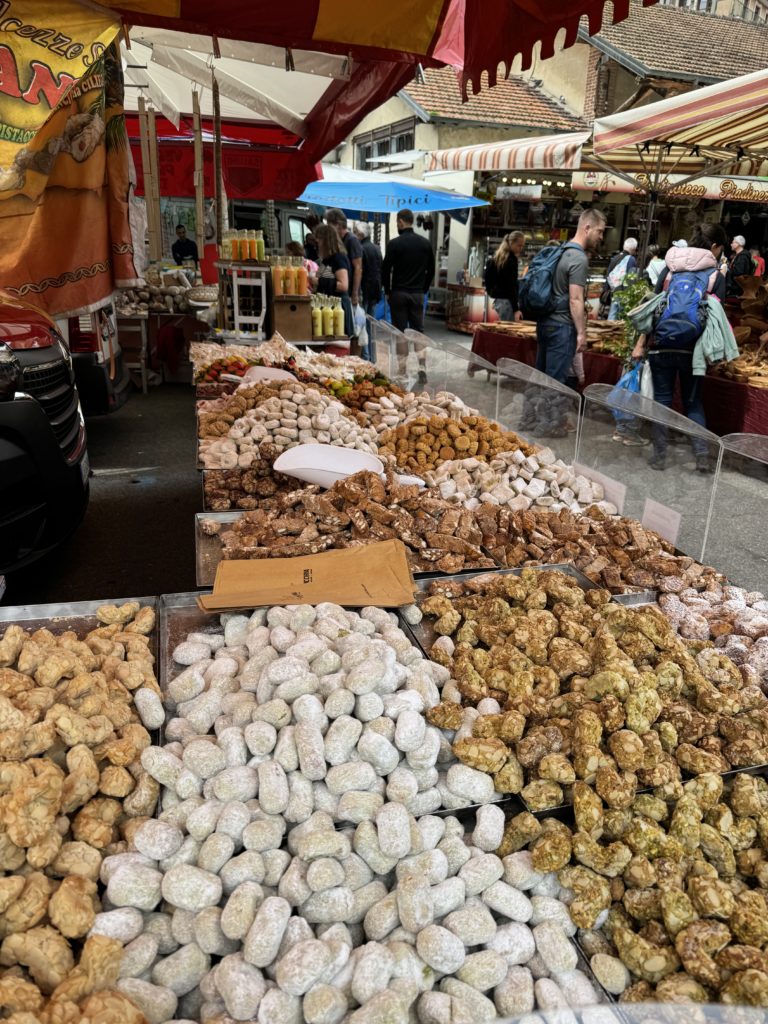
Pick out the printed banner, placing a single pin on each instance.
(743, 190)
(46, 47)
(65, 238)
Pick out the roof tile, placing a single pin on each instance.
(512, 101)
(694, 44)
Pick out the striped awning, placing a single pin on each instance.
(540, 152)
(719, 123)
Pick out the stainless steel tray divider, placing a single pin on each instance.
(636, 599)
(208, 548)
(179, 616)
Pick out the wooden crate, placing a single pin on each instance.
(293, 317)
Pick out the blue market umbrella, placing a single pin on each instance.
(367, 192)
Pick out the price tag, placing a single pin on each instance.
(662, 520)
(613, 491)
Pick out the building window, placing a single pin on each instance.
(387, 141)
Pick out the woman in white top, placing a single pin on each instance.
(655, 265)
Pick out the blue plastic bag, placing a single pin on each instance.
(381, 312)
(628, 383)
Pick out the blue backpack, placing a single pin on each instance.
(536, 290)
(682, 319)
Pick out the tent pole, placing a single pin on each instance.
(218, 190)
(651, 210)
(156, 234)
(199, 181)
(144, 143)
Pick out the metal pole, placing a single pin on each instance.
(199, 179)
(218, 189)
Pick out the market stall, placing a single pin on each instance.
(311, 778)
(451, 739)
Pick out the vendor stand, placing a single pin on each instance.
(294, 811)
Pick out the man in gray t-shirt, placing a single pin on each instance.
(564, 332)
(572, 269)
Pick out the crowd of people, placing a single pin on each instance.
(345, 261)
(350, 265)
(684, 277)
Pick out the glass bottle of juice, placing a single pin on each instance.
(302, 277)
(290, 276)
(338, 319)
(328, 321)
(277, 278)
(242, 237)
(234, 246)
(317, 320)
(260, 249)
(252, 247)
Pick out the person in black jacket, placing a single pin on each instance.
(501, 276)
(371, 280)
(740, 265)
(407, 272)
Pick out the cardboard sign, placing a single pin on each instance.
(376, 574)
(662, 520)
(614, 491)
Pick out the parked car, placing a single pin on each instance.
(44, 464)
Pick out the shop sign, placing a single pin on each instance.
(518, 192)
(740, 189)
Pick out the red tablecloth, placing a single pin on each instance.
(730, 407)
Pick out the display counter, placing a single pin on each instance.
(730, 407)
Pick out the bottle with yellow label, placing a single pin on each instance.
(338, 319)
(328, 321)
(317, 320)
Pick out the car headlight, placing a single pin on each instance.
(10, 373)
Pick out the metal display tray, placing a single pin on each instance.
(78, 616)
(179, 615)
(207, 547)
(636, 598)
(208, 551)
(424, 636)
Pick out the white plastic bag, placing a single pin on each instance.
(646, 381)
(358, 315)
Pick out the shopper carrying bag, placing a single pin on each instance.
(686, 288)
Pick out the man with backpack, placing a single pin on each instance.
(553, 293)
(691, 274)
